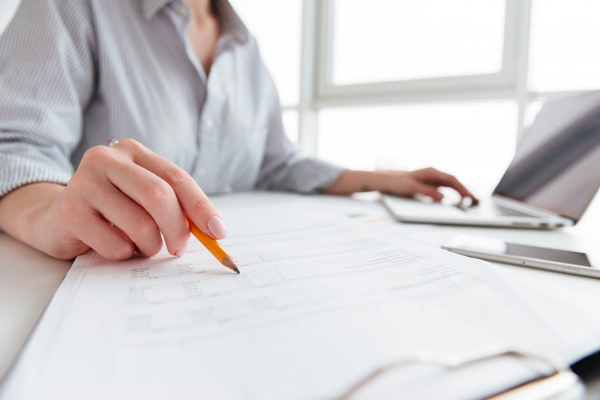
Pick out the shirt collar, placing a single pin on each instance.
(230, 21)
(151, 7)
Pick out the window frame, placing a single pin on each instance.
(330, 94)
(317, 91)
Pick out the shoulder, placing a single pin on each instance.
(44, 19)
(68, 10)
(46, 36)
(75, 14)
(255, 63)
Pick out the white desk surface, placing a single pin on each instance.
(28, 279)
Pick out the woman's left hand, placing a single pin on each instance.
(403, 183)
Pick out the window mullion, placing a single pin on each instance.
(309, 60)
(522, 92)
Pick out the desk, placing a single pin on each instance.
(28, 278)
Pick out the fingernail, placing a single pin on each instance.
(217, 227)
(181, 252)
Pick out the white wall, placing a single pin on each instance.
(7, 11)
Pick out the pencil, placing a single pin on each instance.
(213, 246)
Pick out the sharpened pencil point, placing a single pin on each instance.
(229, 263)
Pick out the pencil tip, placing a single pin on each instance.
(229, 263)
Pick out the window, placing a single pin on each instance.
(407, 84)
(399, 48)
(276, 25)
(565, 45)
(386, 40)
(473, 140)
(290, 122)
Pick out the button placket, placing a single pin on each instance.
(208, 131)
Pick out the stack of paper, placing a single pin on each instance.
(321, 301)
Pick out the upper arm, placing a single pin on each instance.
(280, 153)
(284, 167)
(47, 78)
(47, 62)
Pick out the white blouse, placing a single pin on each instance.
(74, 74)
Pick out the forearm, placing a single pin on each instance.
(121, 200)
(357, 181)
(23, 209)
(298, 174)
(422, 182)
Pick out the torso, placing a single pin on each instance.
(150, 90)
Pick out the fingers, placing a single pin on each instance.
(157, 198)
(427, 190)
(100, 236)
(191, 198)
(130, 218)
(434, 177)
(144, 195)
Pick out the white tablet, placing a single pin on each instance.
(568, 262)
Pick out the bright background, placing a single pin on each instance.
(471, 132)
(409, 84)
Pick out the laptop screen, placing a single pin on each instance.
(557, 164)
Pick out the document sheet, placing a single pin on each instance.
(322, 300)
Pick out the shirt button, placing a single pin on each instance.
(201, 171)
(209, 122)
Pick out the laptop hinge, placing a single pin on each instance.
(522, 206)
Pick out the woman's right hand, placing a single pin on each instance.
(119, 201)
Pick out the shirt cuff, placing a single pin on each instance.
(312, 175)
(21, 172)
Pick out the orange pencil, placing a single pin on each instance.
(213, 246)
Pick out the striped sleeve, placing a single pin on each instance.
(46, 81)
(284, 168)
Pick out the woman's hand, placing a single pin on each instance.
(423, 181)
(119, 201)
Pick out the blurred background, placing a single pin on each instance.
(409, 84)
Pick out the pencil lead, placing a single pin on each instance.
(229, 263)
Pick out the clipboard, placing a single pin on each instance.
(293, 362)
(560, 384)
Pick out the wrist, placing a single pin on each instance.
(353, 181)
(24, 213)
(368, 181)
(375, 180)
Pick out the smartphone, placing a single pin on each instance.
(568, 262)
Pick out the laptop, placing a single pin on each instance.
(549, 184)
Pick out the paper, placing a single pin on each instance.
(321, 301)
(569, 303)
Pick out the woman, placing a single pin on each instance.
(183, 87)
